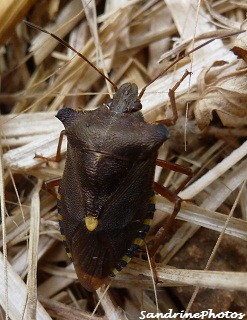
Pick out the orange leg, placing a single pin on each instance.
(177, 168)
(51, 184)
(172, 197)
(171, 121)
(57, 157)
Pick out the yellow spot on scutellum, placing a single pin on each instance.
(91, 223)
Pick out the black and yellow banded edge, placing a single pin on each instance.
(60, 221)
(137, 243)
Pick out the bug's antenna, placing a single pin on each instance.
(66, 44)
(185, 55)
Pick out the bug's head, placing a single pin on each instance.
(125, 100)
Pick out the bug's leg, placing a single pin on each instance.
(172, 197)
(57, 157)
(51, 184)
(162, 233)
(177, 168)
(173, 119)
(165, 192)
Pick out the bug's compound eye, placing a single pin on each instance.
(108, 103)
(137, 106)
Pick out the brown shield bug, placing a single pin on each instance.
(105, 198)
(105, 213)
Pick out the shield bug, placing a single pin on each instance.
(105, 198)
